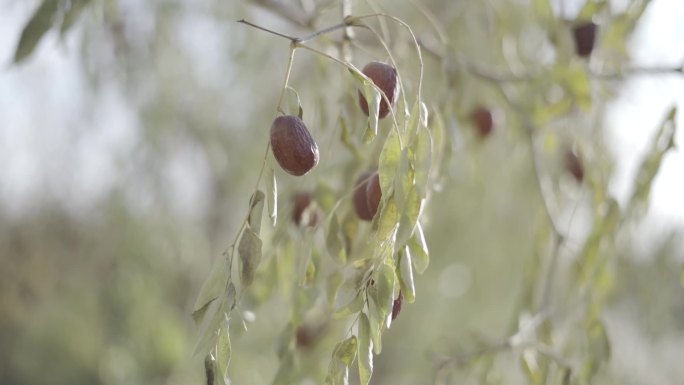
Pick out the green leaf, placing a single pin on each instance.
(419, 250)
(212, 288)
(575, 80)
(403, 180)
(409, 217)
(365, 360)
(390, 156)
(387, 223)
(383, 291)
(348, 298)
(223, 352)
(663, 142)
(256, 209)
(249, 250)
(343, 356)
(423, 162)
(295, 104)
(543, 9)
(334, 241)
(373, 96)
(346, 139)
(72, 14)
(418, 119)
(376, 321)
(41, 22)
(272, 197)
(592, 7)
(406, 275)
(207, 331)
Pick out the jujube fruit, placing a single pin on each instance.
(386, 79)
(293, 146)
(373, 194)
(483, 120)
(304, 212)
(359, 199)
(396, 306)
(584, 35)
(573, 164)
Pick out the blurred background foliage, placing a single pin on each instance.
(141, 182)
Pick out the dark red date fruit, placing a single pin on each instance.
(385, 77)
(373, 194)
(584, 35)
(359, 199)
(293, 146)
(396, 306)
(304, 204)
(483, 120)
(573, 165)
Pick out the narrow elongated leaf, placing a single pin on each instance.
(207, 331)
(406, 275)
(272, 196)
(663, 141)
(387, 223)
(41, 22)
(365, 360)
(72, 14)
(419, 250)
(343, 356)
(409, 217)
(249, 251)
(423, 162)
(383, 291)
(256, 209)
(418, 119)
(592, 7)
(223, 353)
(373, 97)
(212, 288)
(390, 156)
(403, 180)
(333, 240)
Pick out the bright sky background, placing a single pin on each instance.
(34, 144)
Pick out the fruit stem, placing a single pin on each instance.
(290, 61)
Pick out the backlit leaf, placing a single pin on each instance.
(334, 240)
(388, 163)
(207, 331)
(272, 196)
(256, 209)
(41, 22)
(419, 250)
(212, 288)
(663, 141)
(387, 223)
(365, 360)
(343, 356)
(408, 288)
(373, 98)
(223, 352)
(71, 16)
(423, 160)
(249, 251)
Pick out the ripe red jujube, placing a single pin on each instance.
(373, 194)
(293, 146)
(385, 77)
(584, 35)
(359, 199)
(483, 120)
(573, 164)
(303, 203)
